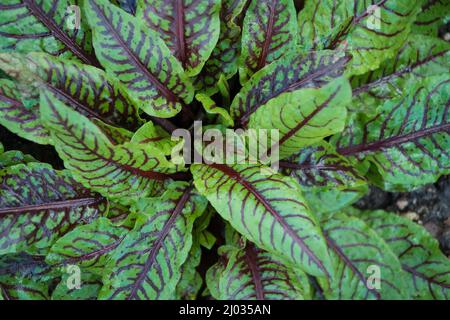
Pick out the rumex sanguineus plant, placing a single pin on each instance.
(359, 92)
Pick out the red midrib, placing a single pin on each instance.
(251, 256)
(268, 39)
(51, 206)
(179, 32)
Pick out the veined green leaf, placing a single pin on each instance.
(211, 107)
(155, 137)
(139, 59)
(427, 268)
(305, 116)
(52, 26)
(406, 139)
(190, 28)
(147, 263)
(267, 209)
(87, 246)
(190, 281)
(435, 13)
(371, 31)
(13, 157)
(290, 73)
(269, 31)
(38, 205)
(129, 169)
(223, 61)
(18, 118)
(90, 286)
(364, 266)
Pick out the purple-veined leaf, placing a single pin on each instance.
(290, 73)
(212, 108)
(87, 246)
(270, 30)
(127, 5)
(305, 116)
(329, 181)
(406, 139)
(52, 26)
(427, 268)
(13, 157)
(128, 170)
(147, 263)
(38, 205)
(24, 277)
(89, 288)
(139, 59)
(155, 137)
(190, 281)
(223, 61)
(435, 13)
(18, 118)
(269, 210)
(371, 31)
(364, 266)
(190, 28)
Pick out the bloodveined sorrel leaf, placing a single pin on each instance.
(435, 13)
(371, 31)
(224, 58)
(419, 58)
(292, 72)
(190, 281)
(13, 157)
(245, 272)
(89, 288)
(38, 205)
(128, 170)
(427, 268)
(155, 137)
(86, 89)
(190, 28)
(269, 31)
(147, 263)
(87, 246)
(329, 181)
(18, 118)
(406, 139)
(139, 59)
(418, 251)
(127, 5)
(45, 25)
(267, 209)
(24, 277)
(305, 116)
(364, 266)
(212, 108)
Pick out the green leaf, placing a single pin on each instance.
(305, 116)
(18, 118)
(434, 15)
(364, 266)
(292, 72)
(45, 25)
(406, 140)
(267, 209)
(87, 246)
(13, 157)
(245, 272)
(212, 108)
(427, 268)
(89, 288)
(139, 59)
(38, 205)
(129, 169)
(371, 31)
(147, 263)
(155, 137)
(190, 281)
(269, 31)
(189, 28)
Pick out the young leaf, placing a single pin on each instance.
(407, 138)
(435, 13)
(155, 137)
(129, 170)
(305, 116)
(38, 205)
(18, 118)
(364, 266)
(51, 26)
(190, 28)
(269, 31)
(290, 73)
(139, 59)
(267, 209)
(371, 31)
(211, 107)
(87, 246)
(147, 263)
(427, 268)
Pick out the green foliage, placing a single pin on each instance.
(359, 94)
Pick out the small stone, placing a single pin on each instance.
(402, 204)
(433, 228)
(411, 215)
